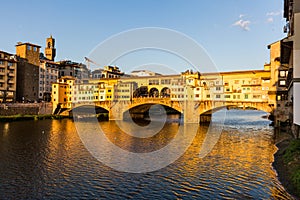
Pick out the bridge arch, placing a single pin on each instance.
(142, 110)
(89, 111)
(242, 107)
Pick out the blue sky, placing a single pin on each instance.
(234, 33)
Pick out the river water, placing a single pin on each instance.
(47, 160)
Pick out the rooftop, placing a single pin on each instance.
(27, 43)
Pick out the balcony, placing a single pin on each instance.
(11, 74)
(11, 67)
(11, 88)
(11, 81)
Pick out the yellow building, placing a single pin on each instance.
(62, 92)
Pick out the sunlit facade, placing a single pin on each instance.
(8, 77)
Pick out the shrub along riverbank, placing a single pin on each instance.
(287, 165)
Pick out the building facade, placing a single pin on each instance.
(290, 56)
(48, 74)
(62, 92)
(28, 72)
(236, 87)
(8, 77)
(74, 69)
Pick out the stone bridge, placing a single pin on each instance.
(192, 111)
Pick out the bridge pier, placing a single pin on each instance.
(205, 118)
(116, 112)
(190, 113)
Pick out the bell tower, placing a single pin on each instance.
(50, 50)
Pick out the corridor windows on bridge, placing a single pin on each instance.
(154, 82)
(166, 81)
(236, 96)
(256, 96)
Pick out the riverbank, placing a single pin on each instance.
(21, 117)
(287, 163)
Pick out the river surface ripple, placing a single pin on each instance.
(47, 160)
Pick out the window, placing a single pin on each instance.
(282, 73)
(218, 88)
(154, 82)
(278, 97)
(246, 96)
(197, 95)
(227, 96)
(28, 47)
(282, 83)
(166, 81)
(218, 96)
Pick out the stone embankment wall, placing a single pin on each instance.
(25, 109)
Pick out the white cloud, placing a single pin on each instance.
(270, 20)
(274, 13)
(244, 24)
(242, 15)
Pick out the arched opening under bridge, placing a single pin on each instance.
(233, 114)
(89, 111)
(140, 114)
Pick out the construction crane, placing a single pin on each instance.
(90, 61)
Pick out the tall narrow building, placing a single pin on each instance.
(27, 72)
(50, 50)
